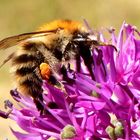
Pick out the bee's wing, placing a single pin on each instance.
(14, 40)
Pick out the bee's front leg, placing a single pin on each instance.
(64, 72)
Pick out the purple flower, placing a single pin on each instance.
(105, 108)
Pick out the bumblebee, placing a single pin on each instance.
(53, 44)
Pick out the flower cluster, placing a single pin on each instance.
(107, 108)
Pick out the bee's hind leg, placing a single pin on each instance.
(38, 97)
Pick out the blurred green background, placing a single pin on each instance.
(24, 16)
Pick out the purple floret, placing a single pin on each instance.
(101, 109)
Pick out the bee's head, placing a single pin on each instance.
(78, 42)
(74, 35)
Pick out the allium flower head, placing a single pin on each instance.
(101, 109)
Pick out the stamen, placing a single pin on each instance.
(5, 115)
(8, 104)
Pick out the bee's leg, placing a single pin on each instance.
(88, 64)
(47, 74)
(37, 97)
(78, 63)
(64, 72)
(65, 75)
(37, 100)
(85, 53)
(53, 80)
(100, 60)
